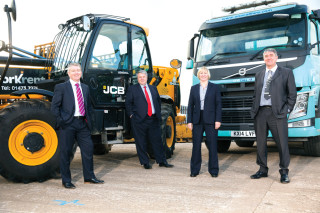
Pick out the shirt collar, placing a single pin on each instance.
(273, 69)
(73, 83)
(142, 86)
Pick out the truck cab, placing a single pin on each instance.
(231, 47)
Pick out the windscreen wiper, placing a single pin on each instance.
(226, 53)
(283, 45)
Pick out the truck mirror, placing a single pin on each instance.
(191, 47)
(315, 15)
(175, 63)
(86, 23)
(189, 64)
(13, 10)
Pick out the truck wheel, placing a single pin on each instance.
(28, 142)
(98, 147)
(245, 143)
(168, 129)
(223, 146)
(312, 146)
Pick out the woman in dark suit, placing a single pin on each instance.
(204, 115)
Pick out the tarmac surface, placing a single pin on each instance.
(130, 188)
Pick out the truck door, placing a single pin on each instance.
(107, 71)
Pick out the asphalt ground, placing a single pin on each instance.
(130, 188)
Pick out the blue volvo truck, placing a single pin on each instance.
(232, 46)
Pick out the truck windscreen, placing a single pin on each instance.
(248, 38)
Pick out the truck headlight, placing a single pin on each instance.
(303, 123)
(301, 106)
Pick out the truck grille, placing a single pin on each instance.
(236, 110)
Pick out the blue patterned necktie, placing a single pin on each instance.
(267, 94)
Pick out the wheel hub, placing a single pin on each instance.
(33, 142)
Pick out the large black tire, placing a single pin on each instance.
(312, 146)
(223, 146)
(168, 129)
(245, 143)
(28, 142)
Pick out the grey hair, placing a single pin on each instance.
(73, 65)
(142, 72)
(270, 50)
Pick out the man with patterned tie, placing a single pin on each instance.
(71, 105)
(274, 97)
(143, 106)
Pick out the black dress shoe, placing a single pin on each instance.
(69, 185)
(259, 175)
(284, 178)
(147, 166)
(165, 164)
(193, 175)
(94, 181)
(214, 175)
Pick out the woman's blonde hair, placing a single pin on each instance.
(203, 69)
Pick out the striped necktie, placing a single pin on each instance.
(267, 94)
(80, 100)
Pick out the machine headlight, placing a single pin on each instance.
(301, 106)
(303, 123)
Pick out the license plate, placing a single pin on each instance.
(249, 134)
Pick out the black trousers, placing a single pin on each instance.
(211, 142)
(264, 121)
(78, 130)
(148, 130)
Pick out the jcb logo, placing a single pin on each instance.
(113, 90)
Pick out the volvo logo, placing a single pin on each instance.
(242, 71)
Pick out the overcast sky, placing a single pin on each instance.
(171, 23)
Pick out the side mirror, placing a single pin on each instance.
(86, 23)
(12, 10)
(190, 54)
(315, 15)
(189, 64)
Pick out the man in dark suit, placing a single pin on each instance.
(71, 105)
(204, 115)
(274, 97)
(143, 106)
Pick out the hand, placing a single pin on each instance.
(190, 126)
(217, 125)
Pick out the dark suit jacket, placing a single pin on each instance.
(136, 102)
(63, 103)
(212, 105)
(283, 92)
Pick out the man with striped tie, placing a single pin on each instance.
(274, 97)
(71, 105)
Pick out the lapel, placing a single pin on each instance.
(70, 93)
(209, 87)
(276, 74)
(197, 91)
(260, 80)
(140, 90)
(84, 94)
(152, 94)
